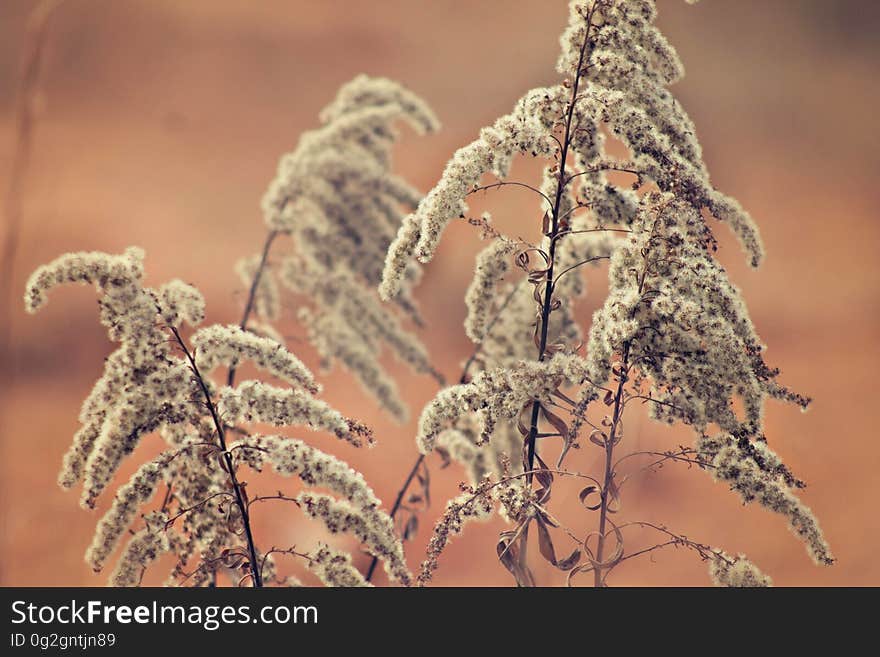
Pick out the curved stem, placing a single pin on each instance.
(252, 293)
(227, 457)
(421, 459)
(609, 467)
(619, 404)
(579, 264)
(505, 183)
(396, 507)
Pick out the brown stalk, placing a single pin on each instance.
(609, 449)
(546, 307)
(609, 466)
(421, 459)
(252, 293)
(227, 457)
(548, 295)
(25, 118)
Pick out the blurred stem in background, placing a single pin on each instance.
(26, 110)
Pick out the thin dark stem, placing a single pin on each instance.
(619, 405)
(605, 167)
(579, 264)
(227, 457)
(396, 506)
(547, 304)
(252, 293)
(462, 379)
(704, 551)
(505, 183)
(565, 233)
(609, 467)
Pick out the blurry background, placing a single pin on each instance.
(162, 122)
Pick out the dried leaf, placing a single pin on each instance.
(521, 426)
(557, 422)
(566, 448)
(570, 561)
(510, 555)
(445, 459)
(585, 493)
(613, 496)
(537, 276)
(410, 528)
(543, 474)
(425, 480)
(545, 542)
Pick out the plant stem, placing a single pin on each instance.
(31, 66)
(252, 293)
(462, 379)
(561, 183)
(396, 507)
(227, 457)
(609, 466)
(609, 444)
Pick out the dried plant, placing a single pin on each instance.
(674, 332)
(673, 335)
(336, 195)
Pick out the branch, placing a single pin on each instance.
(504, 183)
(252, 293)
(546, 306)
(227, 456)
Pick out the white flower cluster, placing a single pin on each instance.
(142, 387)
(130, 497)
(142, 549)
(526, 130)
(632, 64)
(738, 572)
(672, 318)
(623, 65)
(756, 473)
(358, 512)
(497, 395)
(229, 346)
(335, 340)
(472, 505)
(212, 524)
(373, 528)
(673, 307)
(493, 265)
(291, 457)
(149, 384)
(257, 402)
(181, 302)
(349, 326)
(334, 568)
(337, 196)
(672, 310)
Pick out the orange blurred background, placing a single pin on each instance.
(162, 123)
